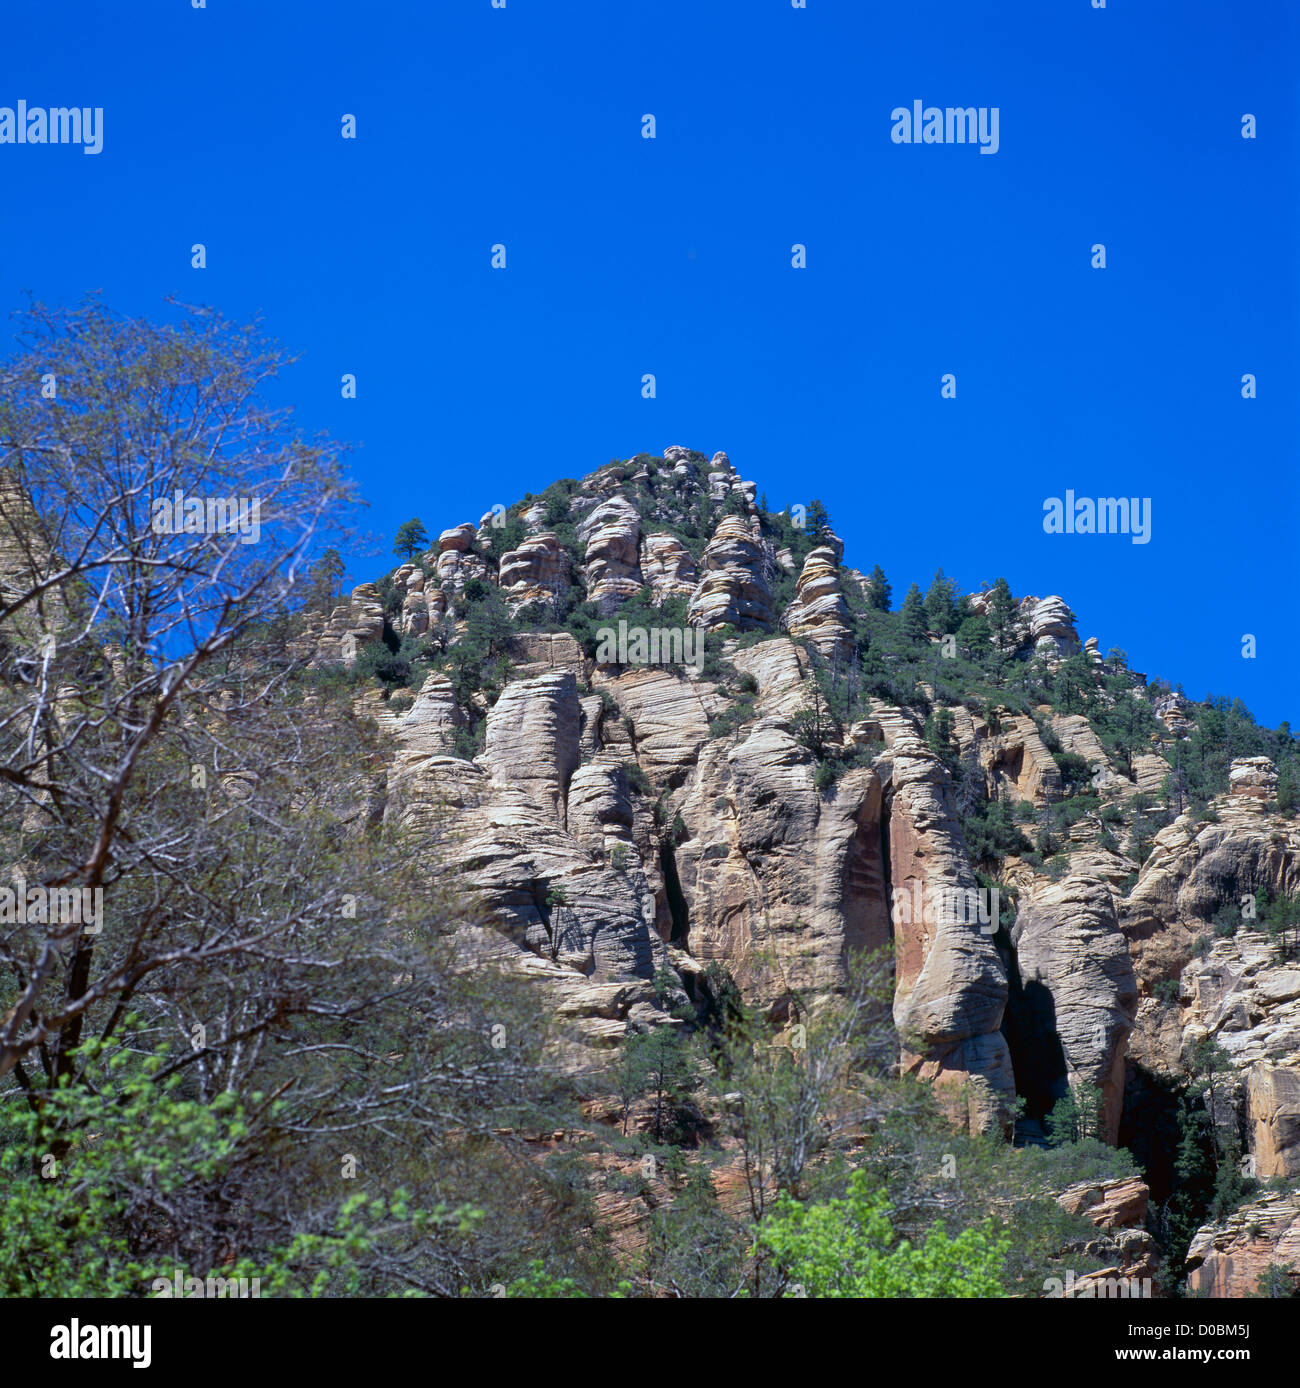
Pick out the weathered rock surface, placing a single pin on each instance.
(668, 567)
(950, 984)
(538, 571)
(612, 535)
(1051, 627)
(532, 738)
(1227, 1260)
(1078, 995)
(773, 867)
(819, 613)
(357, 624)
(735, 588)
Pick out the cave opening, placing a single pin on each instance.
(677, 904)
(1037, 1055)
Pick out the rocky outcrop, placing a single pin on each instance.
(532, 738)
(1050, 626)
(1273, 1111)
(538, 571)
(735, 588)
(1175, 712)
(455, 567)
(1018, 765)
(1076, 736)
(819, 613)
(950, 984)
(351, 627)
(1229, 1259)
(1077, 999)
(432, 722)
(780, 880)
(612, 535)
(537, 652)
(1253, 776)
(779, 670)
(1118, 1203)
(668, 567)
(669, 721)
(1193, 869)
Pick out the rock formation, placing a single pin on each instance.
(734, 589)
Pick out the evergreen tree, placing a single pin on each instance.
(411, 538)
(915, 626)
(1001, 615)
(879, 591)
(941, 604)
(323, 580)
(818, 518)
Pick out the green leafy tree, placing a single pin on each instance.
(848, 1248)
(1001, 612)
(1076, 1117)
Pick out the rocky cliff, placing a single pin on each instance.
(765, 771)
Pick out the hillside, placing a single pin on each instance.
(1082, 876)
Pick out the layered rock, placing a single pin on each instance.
(950, 983)
(778, 668)
(734, 589)
(1018, 765)
(668, 567)
(532, 738)
(780, 880)
(612, 534)
(1077, 998)
(1228, 1259)
(819, 613)
(1051, 626)
(1253, 776)
(538, 571)
(668, 717)
(357, 624)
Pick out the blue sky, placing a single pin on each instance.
(672, 256)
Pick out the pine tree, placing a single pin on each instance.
(878, 590)
(915, 625)
(1001, 614)
(941, 604)
(818, 518)
(411, 538)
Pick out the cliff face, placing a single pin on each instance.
(769, 804)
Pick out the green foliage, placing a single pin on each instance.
(941, 612)
(654, 1064)
(1077, 1117)
(879, 591)
(992, 833)
(914, 616)
(848, 1248)
(410, 539)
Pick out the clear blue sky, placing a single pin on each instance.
(672, 256)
